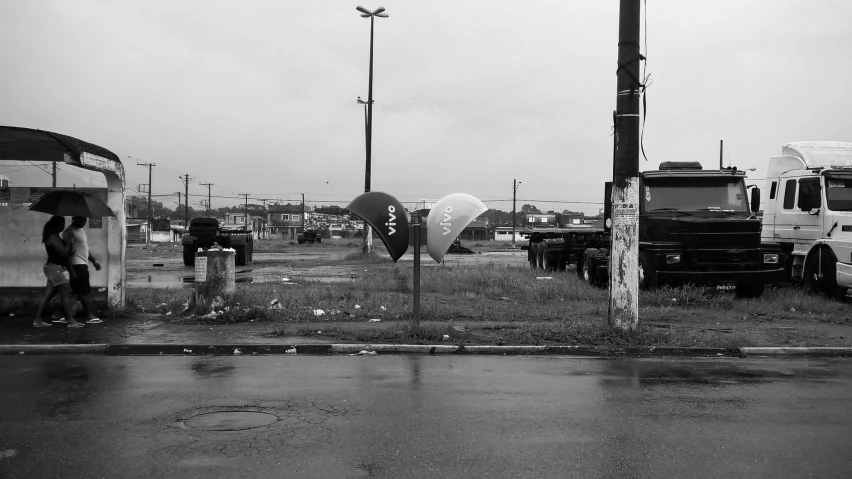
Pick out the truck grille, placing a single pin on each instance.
(727, 260)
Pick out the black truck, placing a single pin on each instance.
(696, 227)
(204, 232)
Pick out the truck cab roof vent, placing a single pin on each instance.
(680, 165)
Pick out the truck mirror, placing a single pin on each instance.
(755, 199)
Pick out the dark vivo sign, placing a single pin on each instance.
(386, 215)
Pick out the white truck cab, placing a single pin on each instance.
(809, 213)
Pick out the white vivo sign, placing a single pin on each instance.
(450, 215)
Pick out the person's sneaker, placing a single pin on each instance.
(94, 321)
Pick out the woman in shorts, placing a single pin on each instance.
(56, 271)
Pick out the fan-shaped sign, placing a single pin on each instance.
(450, 215)
(387, 216)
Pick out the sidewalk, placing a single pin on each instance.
(147, 334)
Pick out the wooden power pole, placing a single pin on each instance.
(624, 263)
(150, 216)
(185, 179)
(208, 185)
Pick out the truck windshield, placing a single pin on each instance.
(838, 192)
(695, 194)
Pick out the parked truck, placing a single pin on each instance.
(809, 213)
(204, 232)
(309, 236)
(696, 227)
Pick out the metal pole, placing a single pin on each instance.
(54, 174)
(416, 288)
(624, 264)
(721, 148)
(368, 234)
(186, 204)
(514, 196)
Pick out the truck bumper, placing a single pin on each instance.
(844, 275)
(712, 278)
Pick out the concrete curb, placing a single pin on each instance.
(9, 349)
(436, 349)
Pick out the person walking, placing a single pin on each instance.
(79, 258)
(56, 271)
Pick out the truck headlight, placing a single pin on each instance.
(672, 258)
(771, 258)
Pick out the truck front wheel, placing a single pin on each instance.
(188, 256)
(820, 274)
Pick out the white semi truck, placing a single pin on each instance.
(809, 213)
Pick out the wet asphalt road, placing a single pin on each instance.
(421, 416)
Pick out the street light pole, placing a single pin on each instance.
(379, 12)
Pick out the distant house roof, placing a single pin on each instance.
(287, 209)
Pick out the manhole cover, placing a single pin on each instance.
(230, 420)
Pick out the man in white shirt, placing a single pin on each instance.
(79, 258)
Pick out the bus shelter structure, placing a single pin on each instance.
(22, 255)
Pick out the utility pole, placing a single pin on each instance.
(208, 185)
(185, 179)
(302, 215)
(54, 174)
(245, 218)
(625, 261)
(721, 149)
(178, 208)
(150, 216)
(515, 184)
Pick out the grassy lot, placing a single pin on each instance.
(508, 305)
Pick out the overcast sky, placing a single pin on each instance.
(260, 97)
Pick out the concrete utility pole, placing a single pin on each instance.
(208, 185)
(515, 184)
(624, 264)
(721, 149)
(150, 216)
(54, 174)
(302, 213)
(185, 179)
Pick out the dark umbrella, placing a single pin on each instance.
(72, 203)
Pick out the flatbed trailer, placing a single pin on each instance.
(554, 249)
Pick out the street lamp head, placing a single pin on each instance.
(379, 10)
(363, 10)
(382, 15)
(364, 15)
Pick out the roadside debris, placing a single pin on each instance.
(374, 320)
(383, 308)
(290, 351)
(237, 351)
(446, 337)
(459, 328)
(363, 353)
(319, 312)
(187, 350)
(357, 306)
(544, 277)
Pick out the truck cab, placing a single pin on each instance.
(697, 226)
(809, 213)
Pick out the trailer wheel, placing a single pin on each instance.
(647, 273)
(581, 256)
(549, 261)
(188, 256)
(822, 261)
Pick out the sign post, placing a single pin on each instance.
(415, 223)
